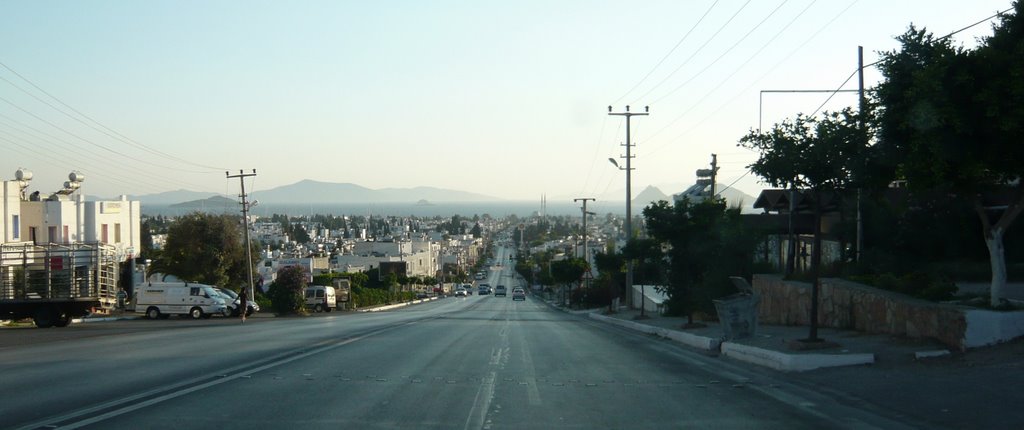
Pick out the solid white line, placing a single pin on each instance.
(177, 394)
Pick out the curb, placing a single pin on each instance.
(397, 305)
(792, 362)
(776, 360)
(708, 344)
(102, 319)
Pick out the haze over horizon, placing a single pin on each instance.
(500, 99)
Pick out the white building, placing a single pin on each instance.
(65, 217)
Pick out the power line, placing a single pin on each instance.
(116, 135)
(736, 69)
(727, 51)
(687, 61)
(756, 81)
(880, 60)
(680, 42)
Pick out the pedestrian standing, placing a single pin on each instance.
(243, 303)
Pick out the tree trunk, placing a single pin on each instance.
(996, 256)
(994, 242)
(791, 249)
(815, 268)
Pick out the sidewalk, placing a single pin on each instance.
(770, 347)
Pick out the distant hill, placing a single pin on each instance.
(309, 191)
(650, 195)
(314, 192)
(215, 202)
(172, 197)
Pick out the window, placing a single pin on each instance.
(16, 224)
(67, 236)
(32, 234)
(51, 234)
(103, 233)
(117, 233)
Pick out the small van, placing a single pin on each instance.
(320, 298)
(163, 299)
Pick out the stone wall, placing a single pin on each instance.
(852, 306)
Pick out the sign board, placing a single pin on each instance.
(110, 207)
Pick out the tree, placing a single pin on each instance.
(705, 244)
(207, 249)
(828, 155)
(477, 231)
(569, 271)
(953, 121)
(286, 293)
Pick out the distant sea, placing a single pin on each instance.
(494, 209)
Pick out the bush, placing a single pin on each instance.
(593, 297)
(923, 285)
(362, 297)
(286, 293)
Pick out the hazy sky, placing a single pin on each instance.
(504, 98)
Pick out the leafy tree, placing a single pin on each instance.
(207, 249)
(286, 293)
(477, 231)
(705, 244)
(611, 274)
(953, 121)
(827, 155)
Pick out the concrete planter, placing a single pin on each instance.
(852, 306)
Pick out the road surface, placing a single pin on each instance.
(479, 362)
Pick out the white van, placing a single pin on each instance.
(321, 298)
(163, 299)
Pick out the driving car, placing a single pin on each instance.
(460, 292)
(518, 294)
(500, 290)
(484, 289)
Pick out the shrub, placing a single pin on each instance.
(286, 293)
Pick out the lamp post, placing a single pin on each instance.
(629, 195)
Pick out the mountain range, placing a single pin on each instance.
(309, 191)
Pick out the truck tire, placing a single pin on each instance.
(195, 313)
(153, 313)
(61, 318)
(43, 318)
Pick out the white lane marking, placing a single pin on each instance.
(176, 394)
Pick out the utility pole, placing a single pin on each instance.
(245, 217)
(862, 105)
(586, 247)
(714, 174)
(629, 196)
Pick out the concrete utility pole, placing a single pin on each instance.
(586, 247)
(629, 195)
(245, 216)
(862, 105)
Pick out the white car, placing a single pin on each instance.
(460, 293)
(232, 301)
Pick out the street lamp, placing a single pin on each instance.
(629, 197)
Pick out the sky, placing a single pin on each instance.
(506, 99)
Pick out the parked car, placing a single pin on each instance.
(232, 302)
(162, 299)
(518, 294)
(500, 290)
(321, 298)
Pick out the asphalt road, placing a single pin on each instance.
(480, 362)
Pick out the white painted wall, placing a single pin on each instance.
(986, 327)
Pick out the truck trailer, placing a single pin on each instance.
(54, 283)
